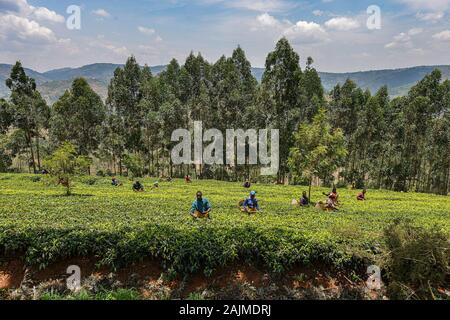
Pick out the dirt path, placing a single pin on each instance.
(238, 281)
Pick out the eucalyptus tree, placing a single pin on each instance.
(280, 82)
(28, 110)
(77, 117)
(124, 96)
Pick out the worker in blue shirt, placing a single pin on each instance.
(251, 203)
(201, 208)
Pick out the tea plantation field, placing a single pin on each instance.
(119, 226)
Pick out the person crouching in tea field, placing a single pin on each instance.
(155, 185)
(247, 184)
(362, 195)
(138, 187)
(250, 205)
(304, 201)
(115, 182)
(333, 199)
(201, 208)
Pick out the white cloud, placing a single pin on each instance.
(42, 13)
(342, 24)
(432, 5)
(301, 32)
(442, 36)
(318, 13)
(23, 35)
(415, 31)
(13, 6)
(147, 31)
(23, 9)
(256, 5)
(266, 20)
(18, 28)
(306, 32)
(101, 13)
(430, 16)
(404, 39)
(120, 51)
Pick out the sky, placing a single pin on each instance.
(335, 33)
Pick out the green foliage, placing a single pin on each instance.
(5, 116)
(281, 103)
(418, 260)
(64, 164)
(400, 145)
(119, 226)
(5, 161)
(27, 109)
(5, 157)
(119, 294)
(100, 173)
(194, 296)
(89, 181)
(134, 164)
(318, 149)
(77, 117)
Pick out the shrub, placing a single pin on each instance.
(417, 262)
(64, 164)
(134, 164)
(36, 179)
(5, 161)
(100, 173)
(89, 181)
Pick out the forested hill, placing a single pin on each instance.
(52, 84)
(399, 81)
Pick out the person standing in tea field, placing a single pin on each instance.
(201, 208)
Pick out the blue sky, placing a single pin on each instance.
(333, 32)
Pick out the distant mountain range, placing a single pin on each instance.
(53, 83)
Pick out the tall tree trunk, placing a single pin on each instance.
(157, 162)
(309, 191)
(114, 164)
(380, 172)
(152, 163)
(30, 145)
(38, 152)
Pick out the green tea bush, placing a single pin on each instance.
(90, 181)
(118, 226)
(418, 260)
(36, 179)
